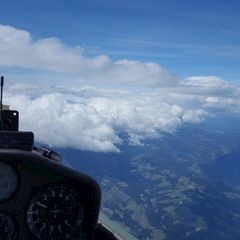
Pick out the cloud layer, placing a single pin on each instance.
(18, 49)
(89, 118)
(94, 119)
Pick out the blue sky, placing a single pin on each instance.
(186, 37)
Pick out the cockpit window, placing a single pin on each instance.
(141, 98)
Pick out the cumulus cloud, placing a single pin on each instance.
(94, 119)
(213, 93)
(210, 85)
(91, 119)
(18, 49)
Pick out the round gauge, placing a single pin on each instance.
(55, 214)
(8, 229)
(8, 181)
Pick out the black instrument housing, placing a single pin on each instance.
(36, 171)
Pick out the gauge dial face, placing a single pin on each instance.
(8, 229)
(8, 181)
(55, 214)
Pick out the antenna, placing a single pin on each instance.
(1, 106)
(2, 83)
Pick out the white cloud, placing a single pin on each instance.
(213, 93)
(18, 49)
(210, 85)
(90, 118)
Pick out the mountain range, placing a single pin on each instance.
(183, 185)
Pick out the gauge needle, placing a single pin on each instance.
(41, 205)
(55, 211)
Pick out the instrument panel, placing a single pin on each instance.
(41, 199)
(8, 229)
(9, 181)
(54, 212)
